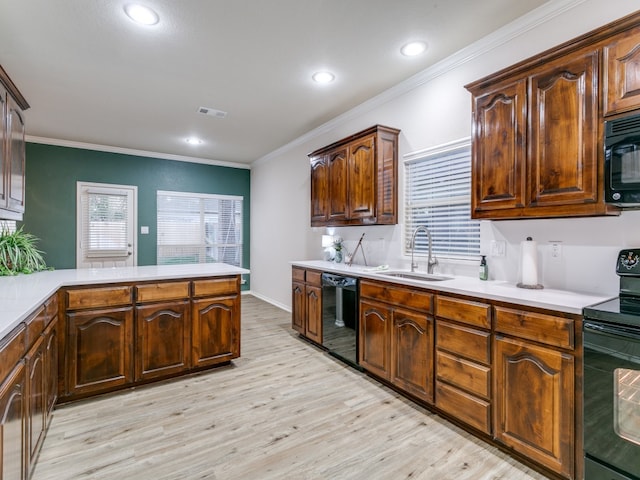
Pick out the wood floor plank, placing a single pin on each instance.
(284, 410)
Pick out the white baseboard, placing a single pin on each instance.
(268, 300)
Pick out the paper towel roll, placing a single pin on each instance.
(529, 262)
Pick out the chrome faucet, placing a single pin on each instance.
(431, 260)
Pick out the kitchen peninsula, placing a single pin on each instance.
(71, 334)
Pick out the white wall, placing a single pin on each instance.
(437, 112)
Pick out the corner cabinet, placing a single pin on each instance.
(12, 149)
(354, 181)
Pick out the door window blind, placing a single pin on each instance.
(105, 225)
(438, 196)
(199, 228)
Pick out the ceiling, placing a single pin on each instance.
(93, 76)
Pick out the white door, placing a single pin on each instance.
(106, 219)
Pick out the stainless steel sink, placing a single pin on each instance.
(425, 277)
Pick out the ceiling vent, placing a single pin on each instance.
(212, 112)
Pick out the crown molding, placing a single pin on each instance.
(131, 151)
(486, 44)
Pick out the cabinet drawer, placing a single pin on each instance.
(153, 292)
(297, 274)
(467, 342)
(465, 311)
(314, 278)
(547, 329)
(464, 407)
(12, 348)
(35, 326)
(397, 296)
(215, 287)
(464, 374)
(98, 297)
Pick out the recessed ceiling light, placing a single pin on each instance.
(323, 77)
(413, 48)
(141, 14)
(193, 141)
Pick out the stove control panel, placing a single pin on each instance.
(628, 264)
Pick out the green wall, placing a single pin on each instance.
(52, 173)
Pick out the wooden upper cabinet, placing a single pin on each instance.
(537, 127)
(622, 72)
(12, 149)
(499, 116)
(338, 188)
(563, 139)
(354, 180)
(362, 178)
(319, 189)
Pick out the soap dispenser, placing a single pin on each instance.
(484, 268)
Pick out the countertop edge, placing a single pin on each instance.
(547, 299)
(75, 277)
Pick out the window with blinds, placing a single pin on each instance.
(438, 196)
(199, 228)
(106, 220)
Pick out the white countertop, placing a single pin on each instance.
(558, 300)
(20, 295)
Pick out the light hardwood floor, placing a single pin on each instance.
(284, 410)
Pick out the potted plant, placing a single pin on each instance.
(18, 253)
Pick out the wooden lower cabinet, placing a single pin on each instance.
(13, 424)
(163, 339)
(396, 343)
(51, 359)
(37, 399)
(534, 402)
(375, 328)
(412, 353)
(216, 330)
(463, 361)
(99, 350)
(306, 302)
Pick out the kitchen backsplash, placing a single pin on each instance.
(576, 254)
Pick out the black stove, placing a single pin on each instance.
(612, 379)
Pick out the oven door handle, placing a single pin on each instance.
(617, 330)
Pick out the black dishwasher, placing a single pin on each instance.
(340, 317)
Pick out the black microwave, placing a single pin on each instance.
(622, 161)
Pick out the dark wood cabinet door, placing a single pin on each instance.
(163, 339)
(563, 137)
(36, 405)
(215, 330)
(337, 161)
(622, 73)
(13, 425)
(374, 340)
(412, 353)
(51, 358)
(16, 156)
(362, 179)
(298, 307)
(534, 402)
(313, 330)
(99, 350)
(319, 191)
(499, 147)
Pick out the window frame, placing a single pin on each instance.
(200, 249)
(455, 150)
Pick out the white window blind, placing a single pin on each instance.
(105, 223)
(199, 228)
(438, 196)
